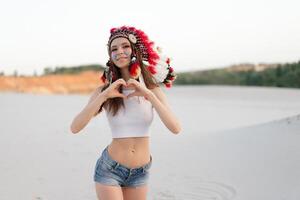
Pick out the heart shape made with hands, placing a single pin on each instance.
(135, 86)
(129, 87)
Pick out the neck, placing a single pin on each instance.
(125, 74)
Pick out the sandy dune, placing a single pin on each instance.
(52, 84)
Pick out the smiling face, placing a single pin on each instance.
(121, 51)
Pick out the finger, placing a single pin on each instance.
(131, 86)
(119, 82)
(132, 83)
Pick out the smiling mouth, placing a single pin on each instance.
(122, 58)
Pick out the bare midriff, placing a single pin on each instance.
(131, 152)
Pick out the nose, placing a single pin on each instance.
(120, 50)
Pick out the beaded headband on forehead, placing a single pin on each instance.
(155, 62)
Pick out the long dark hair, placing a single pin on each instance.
(113, 104)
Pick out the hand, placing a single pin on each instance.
(140, 90)
(113, 90)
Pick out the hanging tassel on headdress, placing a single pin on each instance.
(135, 70)
(108, 74)
(103, 78)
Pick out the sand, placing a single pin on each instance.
(236, 143)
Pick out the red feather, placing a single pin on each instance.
(103, 78)
(134, 69)
(172, 78)
(168, 61)
(152, 70)
(168, 85)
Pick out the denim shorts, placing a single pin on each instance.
(110, 172)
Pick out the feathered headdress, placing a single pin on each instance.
(155, 62)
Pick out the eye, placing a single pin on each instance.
(126, 46)
(114, 50)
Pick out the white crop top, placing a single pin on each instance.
(132, 120)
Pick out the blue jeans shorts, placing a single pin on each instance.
(110, 172)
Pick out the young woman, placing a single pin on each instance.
(129, 96)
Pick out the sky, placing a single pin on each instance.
(196, 34)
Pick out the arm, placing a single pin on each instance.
(90, 110)
(159, 102)
(96, 100)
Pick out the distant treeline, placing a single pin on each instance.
(73, 70)
(283, 75)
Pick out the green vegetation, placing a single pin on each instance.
(73, 70)
(283, 75)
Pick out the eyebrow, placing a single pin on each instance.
(121, 44)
